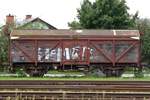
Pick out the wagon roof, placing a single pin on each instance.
(75, 32)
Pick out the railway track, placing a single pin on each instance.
(75, 90)
(61, 95)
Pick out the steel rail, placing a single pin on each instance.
(68, 90)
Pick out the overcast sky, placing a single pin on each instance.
(58, 12)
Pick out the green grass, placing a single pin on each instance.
(80, 79)
(88, 78)
(64, 72)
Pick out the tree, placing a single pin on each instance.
(3, 47)
(75, 25)
(104, 14)
(144, 27)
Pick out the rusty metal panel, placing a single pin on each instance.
(61, 32)
(22, 51)
(120, 47)
(124, 52)
(96, 56)
(75, 52)
(130, 56)
(127, 33)
(78, 33)
(127, 51)
(49, 51)
(101, 51)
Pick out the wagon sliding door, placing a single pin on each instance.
(49, 51)
(75, 52)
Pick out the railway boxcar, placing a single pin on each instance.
(111, 51)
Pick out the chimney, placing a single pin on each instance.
(28, 17)
(9, 19)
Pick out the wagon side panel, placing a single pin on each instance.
(101, 51)
(22, 51)
(49, 51)
(127, 52)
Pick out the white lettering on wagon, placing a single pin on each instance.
(14, 37)
(46, 54)
(137, 38)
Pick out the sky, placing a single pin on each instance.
(58, 12)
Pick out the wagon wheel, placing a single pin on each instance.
(108, 73)
(36, 71)
(113, 73)
(95, 71)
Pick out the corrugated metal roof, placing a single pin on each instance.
(75, 32)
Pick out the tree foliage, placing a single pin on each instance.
(75, 25)
(104, 14)
(144, 27)
(3, 47)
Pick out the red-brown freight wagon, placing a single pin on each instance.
(111, 51)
